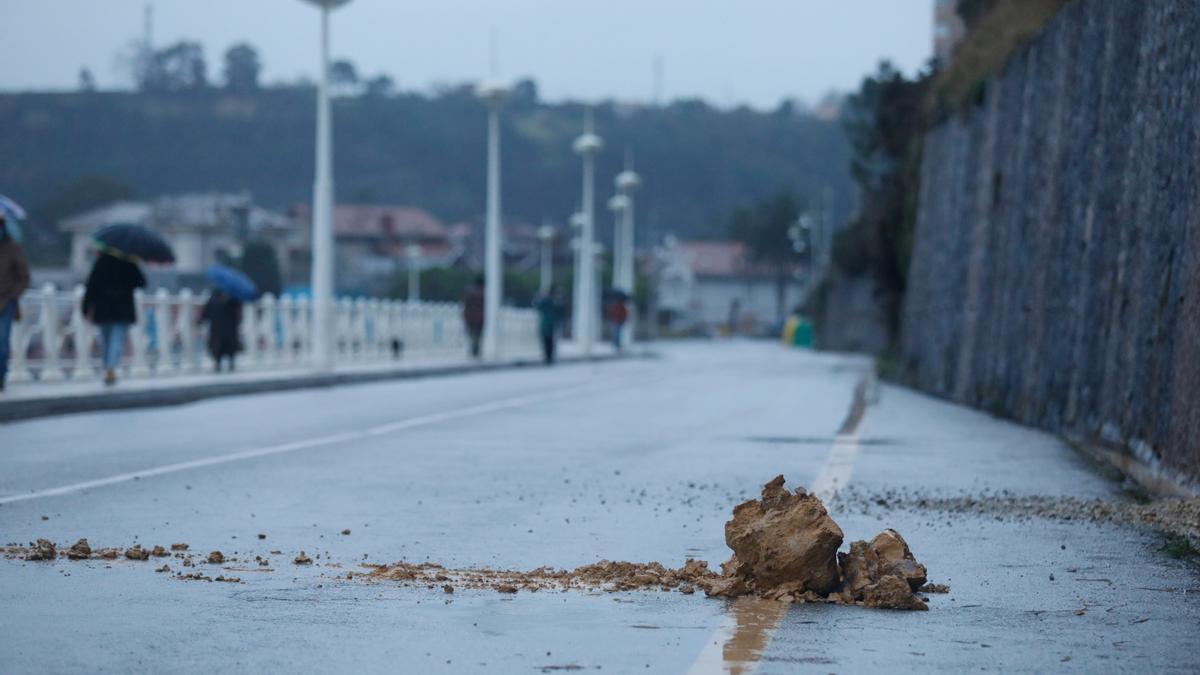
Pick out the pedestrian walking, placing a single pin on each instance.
(14, 279)
(108, 303)
(473, 314)
(223, 314)
(616, 314)
(549, 312)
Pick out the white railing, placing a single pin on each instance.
(54, 342)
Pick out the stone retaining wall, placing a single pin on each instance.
(1056, 266)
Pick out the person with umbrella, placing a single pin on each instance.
(108, 299)
(223, 313)
(14, 279)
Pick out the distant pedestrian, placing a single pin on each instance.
(14, 279)
(616, 314)
(108, 303)
(549, 311)
(473, 314)
(223, 314)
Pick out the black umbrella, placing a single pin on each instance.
(134, 241)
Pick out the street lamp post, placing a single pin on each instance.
(576, 222)
(588, 146)
(493, 272)
(322, 225)
(546, 235)
(413, 253)
(627, 182)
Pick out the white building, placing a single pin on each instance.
(198, 227)
(713, 287)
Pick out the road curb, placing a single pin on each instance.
(15, 411)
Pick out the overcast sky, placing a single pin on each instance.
(727, 51)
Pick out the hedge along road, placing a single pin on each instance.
(636, 460)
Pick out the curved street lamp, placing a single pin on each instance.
(322, 217)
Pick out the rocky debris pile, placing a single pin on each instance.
(785, 547)
(80, 550)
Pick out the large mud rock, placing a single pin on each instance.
(784, 540)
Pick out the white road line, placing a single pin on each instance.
(725, 651)
(332, 439)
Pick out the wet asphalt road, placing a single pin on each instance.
(640, 460)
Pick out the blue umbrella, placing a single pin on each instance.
(12, 213)
(232, 282)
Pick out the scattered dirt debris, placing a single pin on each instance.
(302, 559)
(136, 552)
(230, 580)
(1172, 516)
(785, 548)
(261, 535)
(159, 552)
(80, 550)
(164, 568)
(179, 547)
(346, 531)
(43, 549)
(934, 588)
(216, 558)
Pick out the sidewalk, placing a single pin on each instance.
(28, 400)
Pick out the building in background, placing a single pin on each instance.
(203, 229)
(374, 242)
(712, 287)
(948, 29)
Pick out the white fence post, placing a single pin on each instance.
(164, 336)
(185, 322)
(51, 345)
(138, 338)
(82, 337)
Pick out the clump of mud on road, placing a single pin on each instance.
(785, 547)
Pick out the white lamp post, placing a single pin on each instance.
(588, 146)
(576, 222)
(322, 226)
(413, 253)
(627, 183)
(546, 235)
(618, 203)
(493, 271)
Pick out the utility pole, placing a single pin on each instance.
(588, 145)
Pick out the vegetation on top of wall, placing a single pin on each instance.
(995, 29)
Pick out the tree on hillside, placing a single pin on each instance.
(260, 263)
(343, 77)
(242, 68)
(87, 82)
(765, 229)
(179, 67)
(380, 86)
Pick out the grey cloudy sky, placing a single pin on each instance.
(727, 51)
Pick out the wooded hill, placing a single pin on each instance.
(699, 162)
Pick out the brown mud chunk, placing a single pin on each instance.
(108, 553)
(159, 552)
(934, 588)
(230, 580)
(892, 592)
(43, 550)
(164, 568)
(506, 588)
(80, 550)
(346, 531)
(261, 535)
(445, 589)
(179, 547)
(302, 559)
(784, 538)
(216, 558)
(136, 552)
(897, 559)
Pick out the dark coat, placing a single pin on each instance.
(110, 286)
(473, 307)
(224, 317)
(14, 271)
